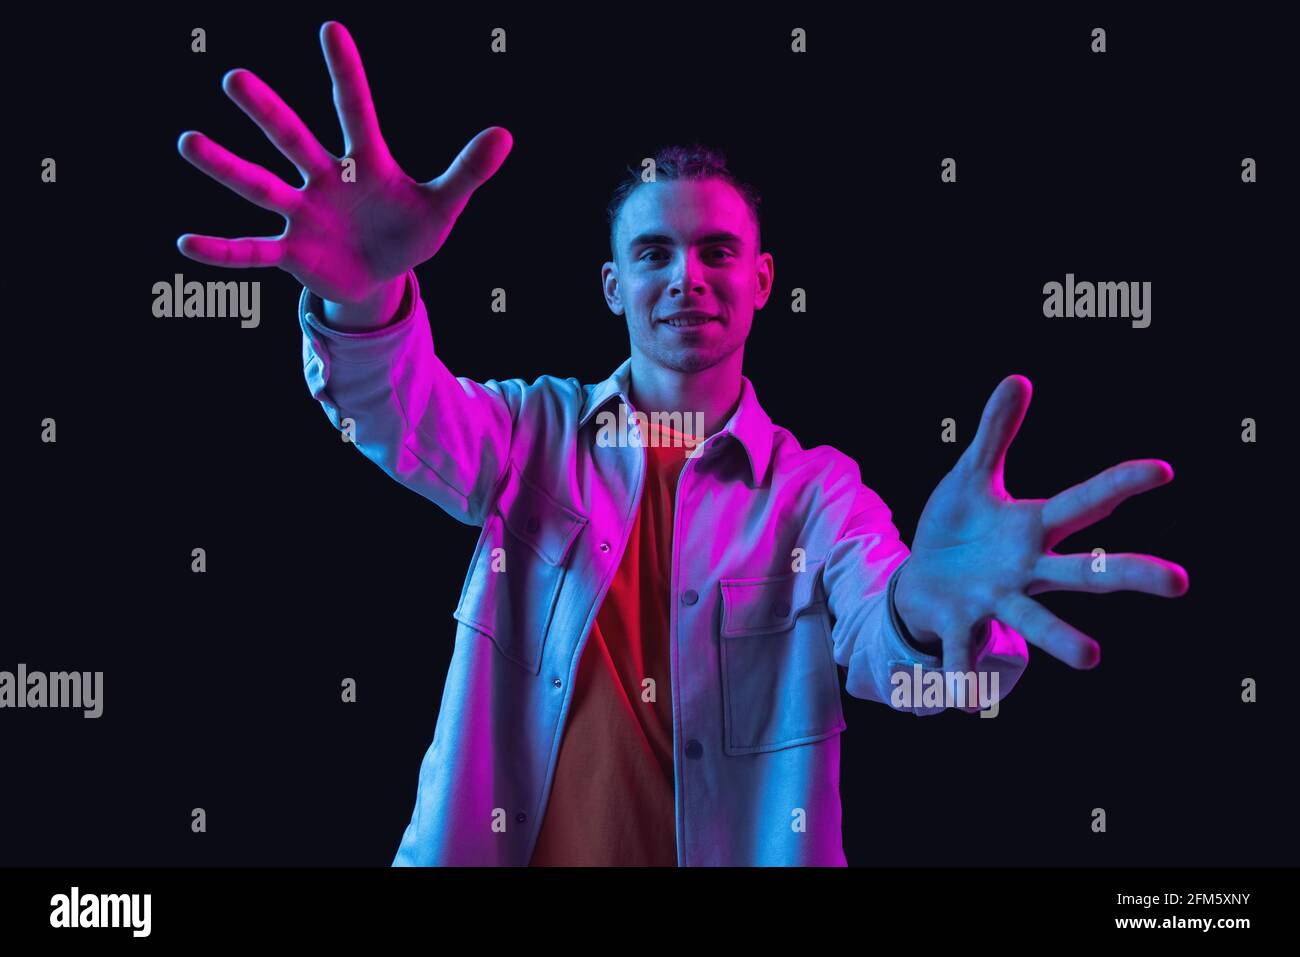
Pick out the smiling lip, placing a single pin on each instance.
(688, 319)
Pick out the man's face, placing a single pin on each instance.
(685, 250)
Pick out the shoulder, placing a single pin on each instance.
(789, 456)
(833, 477)
(545, 392)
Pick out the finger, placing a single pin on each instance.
(1089, 502)
(280, 124)
(236, 253)
(998, 426)
(253, 182)
(960, 680)
(962, 646)
(1124, 572)
(352, 100)
(1042, 629)
(481, 157)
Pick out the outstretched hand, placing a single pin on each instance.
(979, 553)
(345, 239)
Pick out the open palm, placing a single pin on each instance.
(352, 227)
(979, 554)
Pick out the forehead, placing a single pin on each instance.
(684, 209)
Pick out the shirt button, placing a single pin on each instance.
(557, 682)
(780, 609)
(521, 817)
(690, 597)
(694, 749)
(604, 546)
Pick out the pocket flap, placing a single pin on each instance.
(536, 519)
(756, 606)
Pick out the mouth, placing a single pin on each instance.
(688, 320)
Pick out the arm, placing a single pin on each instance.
(440, 435)
(357, 227)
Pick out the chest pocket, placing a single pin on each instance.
(515, 574)
(780, 684)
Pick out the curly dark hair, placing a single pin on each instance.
(692, 162)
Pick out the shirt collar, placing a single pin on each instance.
(749, 424)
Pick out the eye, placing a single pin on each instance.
(649, 252)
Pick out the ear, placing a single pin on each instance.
(765, 269)
(609, 286)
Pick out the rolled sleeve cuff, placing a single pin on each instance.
(898, 629)
(901, 655)
(358, 347)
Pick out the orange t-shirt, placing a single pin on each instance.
(612, 800)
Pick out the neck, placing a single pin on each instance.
(715, 391)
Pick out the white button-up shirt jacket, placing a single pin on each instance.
(780, 568)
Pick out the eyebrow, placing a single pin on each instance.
(659, 239)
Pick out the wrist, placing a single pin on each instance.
(906, 614)
(372, 313)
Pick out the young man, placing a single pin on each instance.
(646, 668)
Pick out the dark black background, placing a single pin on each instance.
(221, 690)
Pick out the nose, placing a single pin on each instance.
(686, 279)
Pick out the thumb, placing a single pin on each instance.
(476, 163)
(958, 665)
